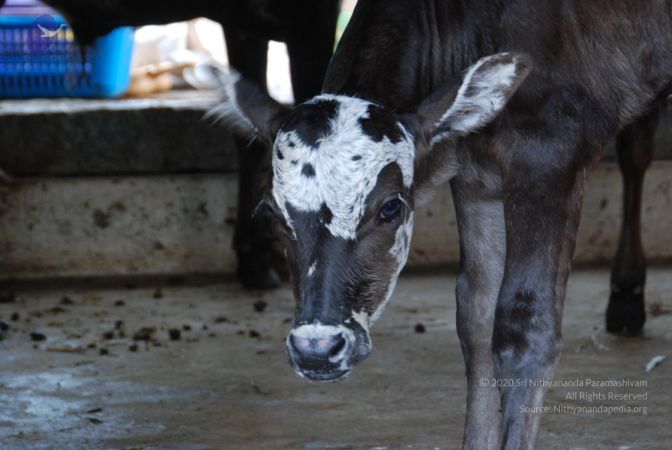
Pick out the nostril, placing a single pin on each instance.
(338, 345)
(299, 344)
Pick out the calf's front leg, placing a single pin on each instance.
(480, 217)
(543, 191)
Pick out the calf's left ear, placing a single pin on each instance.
(247, 107)
(453, 112)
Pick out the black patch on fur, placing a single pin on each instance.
(294, 162)
(312, 121)
(321, 296)
(325, 214)
(523, 309)
(280, 155)
(308, 171)
(514, 317)
(381, 124)
(357, 157)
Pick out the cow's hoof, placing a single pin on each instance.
(4, 329)
(255, 264)
(626, 313)
(258, 276)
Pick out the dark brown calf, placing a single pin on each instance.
(599, 67)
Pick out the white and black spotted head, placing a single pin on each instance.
(347, 174)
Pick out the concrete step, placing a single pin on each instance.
(183, 224)
(124, 187)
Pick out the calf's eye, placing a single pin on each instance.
(390, 210)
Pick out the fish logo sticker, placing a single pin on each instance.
(47, 33)
(49, 26)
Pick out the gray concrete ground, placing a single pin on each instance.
(225, 383)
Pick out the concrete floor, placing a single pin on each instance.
(225, 383)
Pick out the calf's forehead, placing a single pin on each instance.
(327, 157)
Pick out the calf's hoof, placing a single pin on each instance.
(626, 313)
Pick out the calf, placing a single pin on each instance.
(307, 26)
(398, 117)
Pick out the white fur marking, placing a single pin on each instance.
(311, 269)
(339, 182)
(400, 250)
(362, 318)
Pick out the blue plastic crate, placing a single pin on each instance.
(33, 63)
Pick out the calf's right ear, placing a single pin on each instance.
(247, 107)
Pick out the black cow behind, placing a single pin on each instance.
(306, 26)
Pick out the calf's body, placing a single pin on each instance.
(599, 66)
(396, 87)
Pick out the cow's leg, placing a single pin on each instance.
(4, 178)
(252, 239)
(480, 216)
(310, 58)
(635, 147)
(543, 191)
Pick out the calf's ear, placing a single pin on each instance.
(247, 107)
(457, 110)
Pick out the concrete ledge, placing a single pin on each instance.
(162, 135)
(165, 134)
(164, 225)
